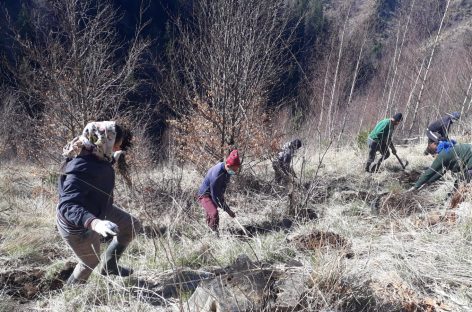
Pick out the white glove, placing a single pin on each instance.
(117, 155)
(104, 227)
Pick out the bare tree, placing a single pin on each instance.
(72, 68)
(224, 64)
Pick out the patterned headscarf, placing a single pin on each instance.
(98, 137)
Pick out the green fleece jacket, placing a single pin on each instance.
(382, 132)
(457, 159)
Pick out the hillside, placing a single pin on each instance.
(365, 246)
(340, 60)
(196, 79)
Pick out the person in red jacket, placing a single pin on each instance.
(213, 187)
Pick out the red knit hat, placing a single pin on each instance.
(233, 159)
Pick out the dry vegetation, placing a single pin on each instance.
(335, 239)
(351, 258)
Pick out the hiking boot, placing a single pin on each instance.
(375, 168)
(110, 259)
(74, 281)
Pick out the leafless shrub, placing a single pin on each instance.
(224, 64)
(70, 70)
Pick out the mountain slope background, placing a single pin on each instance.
(200, 77)
(342, 60)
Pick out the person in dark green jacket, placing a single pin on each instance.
(454, 157)
(380, 139)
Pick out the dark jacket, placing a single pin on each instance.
(85, 191)
(441, 126)
(215, 183)
(457, 159)
(284, 157)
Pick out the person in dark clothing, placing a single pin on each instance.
(213, 187)
(438, 130)
(380, 139)
(86, 210)
(282, 164)
(450, 156)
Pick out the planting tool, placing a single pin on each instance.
(242, 227)
(401, 162)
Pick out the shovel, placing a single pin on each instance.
(401, 162)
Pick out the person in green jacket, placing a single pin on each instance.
(380, 139)
(451, 156)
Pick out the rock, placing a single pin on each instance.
(170, 285)
(243, 287)
(290, 289)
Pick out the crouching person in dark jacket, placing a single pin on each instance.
(438, 130)
(282, 164)
(213, 187)
(85, 210)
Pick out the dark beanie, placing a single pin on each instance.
(398, 117)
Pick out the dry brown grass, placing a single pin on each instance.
(402, 203)
(408, 258)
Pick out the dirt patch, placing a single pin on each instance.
(319, 239)
(464, 192)
(436, 218)
(401, 204)
(383, 295)
(400, 294)
(29, 284)
(408, 177)
(426, 305)
(262, 228)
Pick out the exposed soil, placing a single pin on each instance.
(408, 177)
(434, 218)
(463, 192)
(262, 228)
(319, 239)
(400, 204)
(31, 283)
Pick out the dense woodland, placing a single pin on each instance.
(207, 75)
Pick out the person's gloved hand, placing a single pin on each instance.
(117, 155)
(104, 227)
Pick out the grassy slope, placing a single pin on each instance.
(397, 260)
